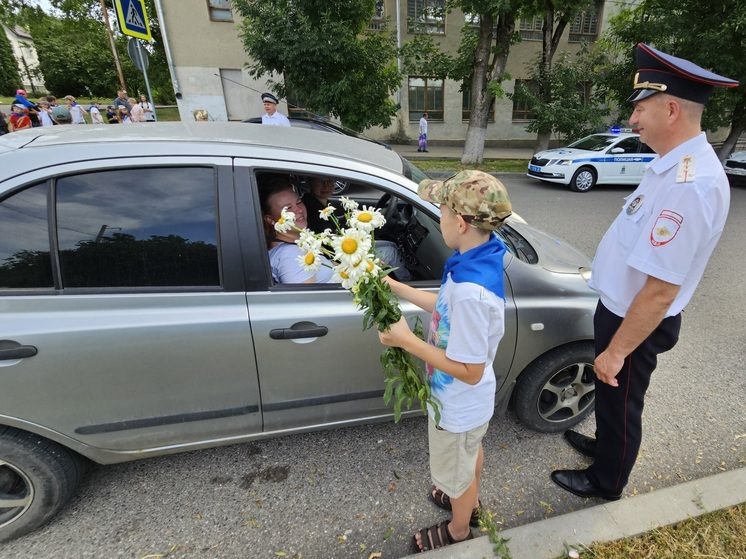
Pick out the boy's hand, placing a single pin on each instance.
(397, 335)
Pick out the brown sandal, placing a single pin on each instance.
(443, 501)
(436, 536)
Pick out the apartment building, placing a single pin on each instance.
(208, 65)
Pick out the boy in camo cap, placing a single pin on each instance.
(467, 324)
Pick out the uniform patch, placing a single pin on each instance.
(685, 171)
(635, 205)
(665, 228)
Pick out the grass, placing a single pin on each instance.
(717, 535)
(488, 165)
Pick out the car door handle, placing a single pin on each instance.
(10, 349)
(298, 330)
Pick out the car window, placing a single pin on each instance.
(596, 142)
(24, 240)
(150, 227)
(629, 145)
(644, 148)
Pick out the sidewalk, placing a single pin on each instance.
(455, 152)
(627, 517)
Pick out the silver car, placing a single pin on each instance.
(138, 315)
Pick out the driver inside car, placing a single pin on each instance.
(278, 193)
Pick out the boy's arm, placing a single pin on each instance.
(423, 299)
(400, 335)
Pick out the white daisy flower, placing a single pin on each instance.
(308, 241)
(367, 219)
(326, 212)
(351, 246)
(348, 204)
(286, 221)
(310, 260)
(342, 274)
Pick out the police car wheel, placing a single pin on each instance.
(583, 180)
(557, 390)
(37, 477)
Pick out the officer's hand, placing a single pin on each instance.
(607, 367)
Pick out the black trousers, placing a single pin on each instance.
(619, 409)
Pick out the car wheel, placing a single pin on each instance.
(37, 477)
(340, 187)
(557, 390)
(583, 180)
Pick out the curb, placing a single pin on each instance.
(546, 539)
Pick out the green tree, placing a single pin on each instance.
(10, 79)
(710, 34)
(324, 56)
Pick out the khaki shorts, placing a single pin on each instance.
(453, 457)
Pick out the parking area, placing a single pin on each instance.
(354, 491)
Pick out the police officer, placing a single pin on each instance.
(271, 115)
(649, 262)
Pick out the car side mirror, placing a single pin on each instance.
(617, 150)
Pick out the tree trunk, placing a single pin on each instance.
(485, 71)
(737, 128)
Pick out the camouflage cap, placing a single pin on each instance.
(481, 199)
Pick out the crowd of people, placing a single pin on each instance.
(49, 111)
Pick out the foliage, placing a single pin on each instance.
(488, 524)
(574, 110)
(10, 79)
(354, 71)
(717, 44)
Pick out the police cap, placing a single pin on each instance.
(269, 98)
(661, 72)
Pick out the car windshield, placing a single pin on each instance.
(412, 172)
(596, 142)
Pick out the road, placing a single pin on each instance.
(349, 492)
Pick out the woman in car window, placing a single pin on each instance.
(283, 252)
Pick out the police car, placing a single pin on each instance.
(616, 157)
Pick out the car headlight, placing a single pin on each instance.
(560, 162)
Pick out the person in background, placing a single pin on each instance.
(124, 115)
(649, 262)
(147, 107)
(121, 100)
(4, 129)
(19, 119)
(52, 100)
(45, 113)
(96, 117)
(422, 146)
(112, 115)
(271, 116)
(77, 112)
(32, 109)
(137, 114)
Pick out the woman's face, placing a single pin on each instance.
(322, 188)
(142, 98)
(287, 199)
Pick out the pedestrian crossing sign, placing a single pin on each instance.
(133, 20)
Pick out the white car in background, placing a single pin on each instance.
(608, 158)
(735, 168)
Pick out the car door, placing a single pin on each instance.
(331, 374)
(119, 274)
(624, 162)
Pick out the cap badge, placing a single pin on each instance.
(635, 205)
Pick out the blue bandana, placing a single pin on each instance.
(482, 265)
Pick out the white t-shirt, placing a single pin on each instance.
(96, 117)
(46, 120)
(277, 119)
(76, 112)
(423, 126)
(283, 260)
(468, 321)
(667, 228)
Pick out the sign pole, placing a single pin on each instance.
(145, 75)
(118, 65)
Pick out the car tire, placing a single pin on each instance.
(39, 475)
(583, 180)
(557, 390)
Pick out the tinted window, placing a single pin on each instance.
(630, 145)
(597, 142)
(24, 240)
(138, 228)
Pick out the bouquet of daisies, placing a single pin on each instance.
(350, 251)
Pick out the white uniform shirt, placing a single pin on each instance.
(277, 119)
(667, 228)
(423, 126)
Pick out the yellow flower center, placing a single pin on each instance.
(349, 246)
(370, 266)
(344, 275)
(309, 259)
(364, 217)
(281, 221)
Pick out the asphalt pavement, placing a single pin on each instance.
(357, 491)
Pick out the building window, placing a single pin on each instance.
(466, 105)
(585, 27)
(378, 22)
(425, 96)
(531, 29)
(522, 102)
(220, 10)
(426, 16)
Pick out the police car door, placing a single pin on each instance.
(624, 162)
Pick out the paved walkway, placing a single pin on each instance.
(627, 517)
(455, 152)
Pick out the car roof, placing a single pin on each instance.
(38, 142)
